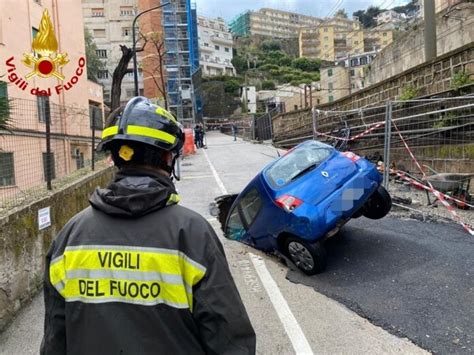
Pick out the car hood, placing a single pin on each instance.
(329, 176)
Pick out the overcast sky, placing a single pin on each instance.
(228, 9)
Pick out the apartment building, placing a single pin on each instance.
(215, 47)
(272, 23)
(110, 24)
(334, 84)
(338, 37)
(389, 16)
(51, 91)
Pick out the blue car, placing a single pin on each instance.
(302, 198)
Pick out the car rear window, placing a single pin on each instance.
(296, 162)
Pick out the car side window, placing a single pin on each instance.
(235, 228)
(250, 205)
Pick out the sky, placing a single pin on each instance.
(228, 9)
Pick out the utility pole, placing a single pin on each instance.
(430, 29)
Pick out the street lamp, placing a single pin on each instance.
(135, 69)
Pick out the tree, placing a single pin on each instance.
(271, 45)
(120, 71)
(156, 40)
(341, 13)
(94, 64)
(367, 17)
(240, 64)
(306, 64)
(268, 85)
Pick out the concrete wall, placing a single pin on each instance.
(455, 28)
(23, 247)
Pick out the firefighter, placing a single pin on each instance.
(136, 273)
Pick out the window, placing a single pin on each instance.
(325, 29)
(7, 169)
(227, 49)
(363, 60)
(126, 32)
(103, 74)
(353, 86)
(206, 44)
(385, 34)
(101, 53)
(295, 107)
(3, 90)
(329, 72)
(95, 115)
(99, 33)
(44, 109)
(356, 43)
(353, 72)
(331, 98)
(49, 168)
(141, 92)
(326, 38)
(330, 86)
(294, 164)
(250, 205)
(217, 48)
(98, 12)
(130, 92)
(385, 42)
(126, 11)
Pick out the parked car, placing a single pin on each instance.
(302, 198)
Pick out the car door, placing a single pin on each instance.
(242, 215)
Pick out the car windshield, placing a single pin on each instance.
(297, 163)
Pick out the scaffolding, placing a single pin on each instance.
(240, 26)
(182, 58)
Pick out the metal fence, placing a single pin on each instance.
(44, 146)
(263, 125)
(418, 145)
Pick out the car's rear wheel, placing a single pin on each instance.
(378, 205)
(308, 257)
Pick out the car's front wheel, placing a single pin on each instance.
(308, 257)
(378, 205)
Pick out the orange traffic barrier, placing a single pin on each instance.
(189, 147)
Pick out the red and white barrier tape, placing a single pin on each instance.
(360, 135)
(431, 189)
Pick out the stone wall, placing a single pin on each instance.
(23, 247)
(454, 26)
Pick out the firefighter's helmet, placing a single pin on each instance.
(141, 121)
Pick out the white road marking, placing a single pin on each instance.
(216, 176)
(292, 328)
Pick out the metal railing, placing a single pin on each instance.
(44, 145)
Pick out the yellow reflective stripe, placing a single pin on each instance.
(161, 111)
(110, 131)
(151, 133)
(128, 291)
(90, 274)
(173, 199)
(57, 274)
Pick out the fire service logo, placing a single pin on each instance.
(44, 61)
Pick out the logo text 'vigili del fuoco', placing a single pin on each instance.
(44, 61)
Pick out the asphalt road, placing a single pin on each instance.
(391, 275)
(414, 279)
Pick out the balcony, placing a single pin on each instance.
(222, 40)
(206, 49)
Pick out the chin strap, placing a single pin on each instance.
(176, 175)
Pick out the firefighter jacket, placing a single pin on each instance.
(136, 273)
